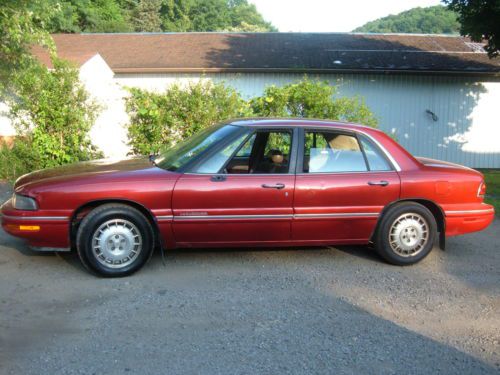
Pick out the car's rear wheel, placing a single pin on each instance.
(406, 234)
(114, 240)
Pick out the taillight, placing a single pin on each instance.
(481, 191)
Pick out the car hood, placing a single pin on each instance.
(84, 170)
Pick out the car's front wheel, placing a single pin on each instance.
(406, 234)
(114, 240)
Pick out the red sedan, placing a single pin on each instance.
(274, 182)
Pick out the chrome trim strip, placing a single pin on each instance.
(339, 214)
(239, 174)
(44, 248)
(471, 211)
(226, 217)
(277, 216)
(167, 217)
(34, 218)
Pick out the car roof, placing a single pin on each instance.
(295, 122)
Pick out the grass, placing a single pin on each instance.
(492, 179)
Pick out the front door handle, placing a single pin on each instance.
(277, 186)
(379, 183)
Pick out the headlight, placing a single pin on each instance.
(22, 202)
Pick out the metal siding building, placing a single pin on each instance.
(439, 95)
(467, 130)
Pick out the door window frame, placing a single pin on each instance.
(294, 132)
(299, 169)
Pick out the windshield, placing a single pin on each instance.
(183, 152)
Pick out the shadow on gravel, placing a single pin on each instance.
(364, 252)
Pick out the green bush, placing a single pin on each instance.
(160, 120)
(53, 115)
(311, 99)
(18, 159)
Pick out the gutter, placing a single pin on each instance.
(469, 73)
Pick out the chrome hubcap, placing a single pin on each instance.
(409, 234)
(116, 243)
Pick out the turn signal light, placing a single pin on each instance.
(25, 228)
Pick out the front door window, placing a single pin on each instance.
(265, 152)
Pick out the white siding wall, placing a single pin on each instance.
(109, 132)
(467, 130)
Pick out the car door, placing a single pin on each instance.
(246, 201)
(343, 182)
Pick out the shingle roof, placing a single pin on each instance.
(276, 52)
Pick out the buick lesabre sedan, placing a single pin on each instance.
(255, 182)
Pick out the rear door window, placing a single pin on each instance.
(376, 159)
(332, 152)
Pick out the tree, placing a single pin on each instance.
(53, 113)
(311, 99)
(90, 16)
(212, 15)
(153, 15)
(480, 20)
(431, 20)
(175, 16)
(146, 16)
(245, 17)
(22, 25)
(50, 109)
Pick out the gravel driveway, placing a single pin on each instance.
(292, 311)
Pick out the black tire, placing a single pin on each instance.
(389, 222)
(125, 218)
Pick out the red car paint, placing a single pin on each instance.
(194, 210)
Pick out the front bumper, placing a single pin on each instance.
(40, 229)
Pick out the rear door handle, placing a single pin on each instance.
(379, 183)
(277, 186)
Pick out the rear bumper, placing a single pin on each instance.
(38, 229)
(472, 219)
